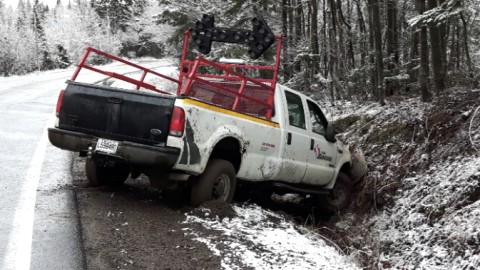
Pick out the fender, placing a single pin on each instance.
(344, 159)
(198, 147)
(221, 133)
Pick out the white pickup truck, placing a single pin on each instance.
(207, 137)
(296, 151)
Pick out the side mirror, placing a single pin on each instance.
(330, 134)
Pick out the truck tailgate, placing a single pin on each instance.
(116, 114)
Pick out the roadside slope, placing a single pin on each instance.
(420, 207)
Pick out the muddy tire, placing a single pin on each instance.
(101, 173)
(340, 197)
(217, 182)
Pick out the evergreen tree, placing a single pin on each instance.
(2, 5)
(118, 13)
(75, 28)
(28, 7)
(21, 15)
(142, 35)
(7, 51)
(42, 53)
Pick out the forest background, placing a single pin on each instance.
(354, 49)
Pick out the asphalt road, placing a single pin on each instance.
(38, 218)
(39, 225)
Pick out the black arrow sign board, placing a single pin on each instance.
(259, 39)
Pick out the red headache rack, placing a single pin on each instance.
(227, 86)
(138, 83)
(221, 84)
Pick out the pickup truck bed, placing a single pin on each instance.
(90, 112)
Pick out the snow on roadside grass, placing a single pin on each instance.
(424, 178)
(261, 239)
(432, 224)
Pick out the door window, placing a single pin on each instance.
(296, 114)
(317, 119)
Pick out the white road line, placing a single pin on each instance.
(19, 248)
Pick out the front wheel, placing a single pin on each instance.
(100, 172)
(340, 196)
(217, 182)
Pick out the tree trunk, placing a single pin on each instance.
(414, 50)
(361, 25)
(403, 32)
(298, 30)
(423, 76)
(443, 31)
(378, 49)
(458, 50)
(347, 50)
(285, 45)
(392, 45)
(340, 45)
(453, 48)
(392, 31)
(301, 15)
(325, 40)
(291, 38)
(314, 36)
(371, 54)
(436, 53)
(465, 44)
(332, 50)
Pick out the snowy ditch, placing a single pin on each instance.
(260, 239)
(422, 203)
(432, 223)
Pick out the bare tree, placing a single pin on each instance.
(314, 35)
(465, 43)
(436, 53)
(377, 33)
(424, 70)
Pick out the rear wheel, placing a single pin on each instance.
(340, 196)
(217, 182)
(100, 172)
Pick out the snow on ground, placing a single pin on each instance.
(422, 202)
(20, 80)
(432, 222)
(166, 65)
(261, 239)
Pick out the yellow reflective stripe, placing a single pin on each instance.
(232, 113)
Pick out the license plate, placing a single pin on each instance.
(107, 146)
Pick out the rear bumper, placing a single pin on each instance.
(132, 153)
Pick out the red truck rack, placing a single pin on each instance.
(225, 85)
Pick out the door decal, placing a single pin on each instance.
(321, 155)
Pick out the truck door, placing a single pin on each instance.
(297, 140)
(322, 154)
